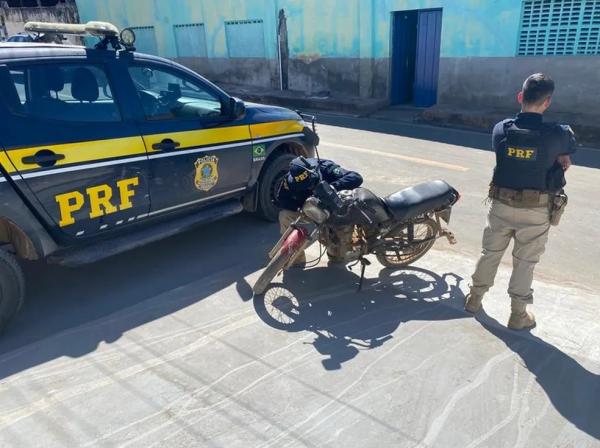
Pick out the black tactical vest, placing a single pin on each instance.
(522, 161)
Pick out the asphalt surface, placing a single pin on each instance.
(165, 345)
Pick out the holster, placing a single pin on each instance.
(557, 207)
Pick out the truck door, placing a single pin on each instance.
(69, 150)
(196, 155)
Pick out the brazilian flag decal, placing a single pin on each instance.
(259, 153)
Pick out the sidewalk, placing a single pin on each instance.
(586, 128)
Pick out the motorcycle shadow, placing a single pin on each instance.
(326, 302)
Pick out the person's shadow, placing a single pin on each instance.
(573, 390)
(326, 301)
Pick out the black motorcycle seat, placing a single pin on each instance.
(420, 199)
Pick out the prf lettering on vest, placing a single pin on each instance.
(524, 154)
(100, 198)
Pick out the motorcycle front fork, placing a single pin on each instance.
(312, 237)
(287, 232)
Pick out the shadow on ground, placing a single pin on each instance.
(326, 301)
(573, 390)
(60, 300)
(587, 157)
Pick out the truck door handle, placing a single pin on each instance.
(166, 145)
(44, 157)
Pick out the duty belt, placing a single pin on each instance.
(520, 198)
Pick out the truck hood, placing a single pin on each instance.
(265, 113)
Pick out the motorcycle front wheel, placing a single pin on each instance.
(273, 268)
(423, 231)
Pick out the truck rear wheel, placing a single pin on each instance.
(270, 180)
(12, 288)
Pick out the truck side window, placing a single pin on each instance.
(67, 92)
(166, 96)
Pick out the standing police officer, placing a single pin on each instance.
(526, 197)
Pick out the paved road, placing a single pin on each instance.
(166, 347)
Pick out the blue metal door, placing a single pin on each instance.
(404, 43)
(428, 57)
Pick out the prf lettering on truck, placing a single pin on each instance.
(100, 198)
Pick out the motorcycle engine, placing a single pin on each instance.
(313, 210)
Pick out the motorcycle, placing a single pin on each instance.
(398, 229)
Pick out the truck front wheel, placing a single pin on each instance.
(269, 183)
(12, 288)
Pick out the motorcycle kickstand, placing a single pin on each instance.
(364, 263)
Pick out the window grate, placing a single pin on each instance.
(145, 39)
(245, 38)
(190, 40)
(242, 22)
(559, 27)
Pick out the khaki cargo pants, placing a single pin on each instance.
(529, 228)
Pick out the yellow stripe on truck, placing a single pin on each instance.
(88, 151)
(203, 137)
(98, 150)
(6, 163)
(265, 130)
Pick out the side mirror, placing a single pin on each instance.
(237, 108)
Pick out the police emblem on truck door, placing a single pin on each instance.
(207, 173)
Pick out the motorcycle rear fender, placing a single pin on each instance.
(445, 214)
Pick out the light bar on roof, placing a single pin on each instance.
(58, 28)
(101, 29)
(98, 29)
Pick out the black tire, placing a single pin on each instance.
(12, 288)
(392, 259)
(273, 268)
(269, 183)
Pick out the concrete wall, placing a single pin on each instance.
(343, 46)
(494, 82)
(13, 19)
(328, 39)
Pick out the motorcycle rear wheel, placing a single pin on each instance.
(273, 268)
(424, 230)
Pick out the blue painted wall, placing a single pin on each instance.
(320, 28)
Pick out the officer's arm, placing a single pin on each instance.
(284, 197)
(565, 161)
(498, 136)
(342, 179)
(569, 142)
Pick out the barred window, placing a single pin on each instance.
(145, 39)
(190, 40)
(245, 38)
(559, 27)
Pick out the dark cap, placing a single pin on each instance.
(302, 177)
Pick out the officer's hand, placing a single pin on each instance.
(565, 161)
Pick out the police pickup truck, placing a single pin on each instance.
(104, 149)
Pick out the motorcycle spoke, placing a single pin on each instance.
(423, 236)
